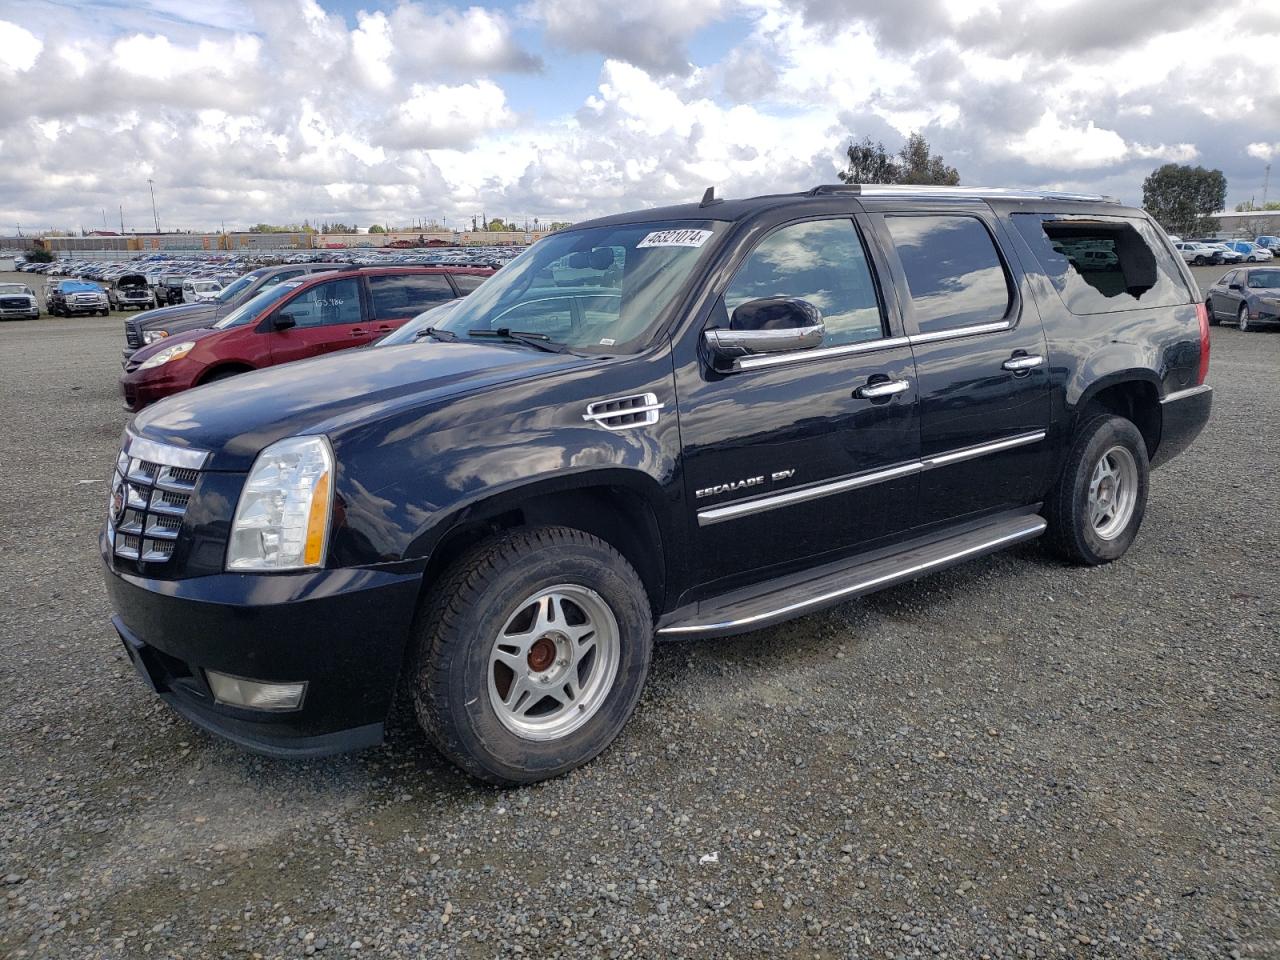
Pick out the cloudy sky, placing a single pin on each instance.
(370, 111)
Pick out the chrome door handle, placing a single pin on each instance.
(1023, 363)
(882, 388)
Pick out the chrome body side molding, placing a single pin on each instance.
(1186, 394)
(742, 508)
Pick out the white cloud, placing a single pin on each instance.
(19, 48)
(446, 116)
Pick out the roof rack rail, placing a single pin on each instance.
(825, 189)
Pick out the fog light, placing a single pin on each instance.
(254, 694)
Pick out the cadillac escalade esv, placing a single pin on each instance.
(685, 422)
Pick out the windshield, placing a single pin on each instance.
(428, 318)
(1264, 279)
(248, 311)
(234, 289)
(13, 288)
(597, 290)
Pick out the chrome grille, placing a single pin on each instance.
(132, 335)
(150, 492)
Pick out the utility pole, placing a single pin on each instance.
(1266, 185)
(152, 184)
(122, 219)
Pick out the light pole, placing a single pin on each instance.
(152, 184)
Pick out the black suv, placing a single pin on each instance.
(140, 331)
(684, 422)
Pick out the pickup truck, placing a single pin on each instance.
(769, 406)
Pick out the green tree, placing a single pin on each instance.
(916, 165)
(497, 224)
(870, 162)
(1183, 198)
(377, 228)
(39, 255)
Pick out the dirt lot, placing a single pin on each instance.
(1013, 758)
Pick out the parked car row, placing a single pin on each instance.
(295, 314)
(1217, 252)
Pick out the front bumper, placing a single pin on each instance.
(342, 631)
(140, 388)
(1183, 415)
(19, 313)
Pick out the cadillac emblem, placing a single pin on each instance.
(117, 500)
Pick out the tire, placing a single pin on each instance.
(497, 590)
(1198, 261)
(1242, 318)
(1213, 317)
(1075, 531)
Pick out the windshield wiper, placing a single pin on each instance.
(447, 336)
(539, 341)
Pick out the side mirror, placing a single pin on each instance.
(283, 321)
(767, 325)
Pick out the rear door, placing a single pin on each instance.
(1221, 300)
(981, 362)
(328, 316)
(396, 299)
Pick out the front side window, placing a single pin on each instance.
(823, 262)
(408, 295)
(1104, 264)
(326, 304)
(596, 290)
(954, 275)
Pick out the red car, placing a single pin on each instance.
(314, 314)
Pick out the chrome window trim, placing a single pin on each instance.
(742, 508)
(1185, 394)
(821, 353)
(165, 454)
(936, 335)
(1035, 527)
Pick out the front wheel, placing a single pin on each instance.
(531, 653)
(1097, 506)
(1213, 317)
(1243, 318)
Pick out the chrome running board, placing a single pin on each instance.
(775, 601)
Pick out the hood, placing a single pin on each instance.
(131, 280)
(236, 418)
(184, 316)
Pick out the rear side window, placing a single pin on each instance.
(821, 261)
(408, 295)
(467, 282)
(1104, 264)
(954, 274)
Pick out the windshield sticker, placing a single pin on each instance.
(675, 238)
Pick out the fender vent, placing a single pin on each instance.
(622, 413)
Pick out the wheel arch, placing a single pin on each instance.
(224, 367)
(620, 506)
(1134, 395)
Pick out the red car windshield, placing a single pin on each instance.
(246, 312)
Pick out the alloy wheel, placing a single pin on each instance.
(1113, 492)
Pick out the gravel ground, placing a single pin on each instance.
(1012, 758)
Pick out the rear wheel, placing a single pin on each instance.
(1198, 261)
(1242, 318)
(1097, 506)
(1213, 317)
(531, 653)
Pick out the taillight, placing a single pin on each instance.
(1202, 314)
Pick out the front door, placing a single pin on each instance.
(981, 360)
(788, 459)
(328, 316)
(1223, 301)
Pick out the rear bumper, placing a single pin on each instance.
(1183, 415)
(343, 632)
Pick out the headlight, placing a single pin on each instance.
(176, 352)
(151, 336)
(282, 520)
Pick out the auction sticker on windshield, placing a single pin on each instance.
(675, 238)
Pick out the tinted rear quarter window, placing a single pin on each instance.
(1104, 264)
(467, 282)
(954, 274)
